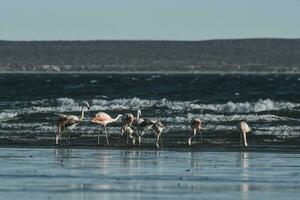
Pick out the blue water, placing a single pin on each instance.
(270, 103)
(134, 174)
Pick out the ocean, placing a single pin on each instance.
(269, 103)
(32, 166)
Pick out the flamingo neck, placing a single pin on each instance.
(116, 119)
(82, 113)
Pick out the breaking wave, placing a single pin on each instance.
(5, 116)
(72, 105)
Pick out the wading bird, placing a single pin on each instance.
(196, 124)
(104, 119)
(67, 122)
(127, 121)
(144, 125)
(158, 129)
(243, 128)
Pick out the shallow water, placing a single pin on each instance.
(134, 174)
(30, 103)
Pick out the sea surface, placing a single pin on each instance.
(32, 167)
(29, 105)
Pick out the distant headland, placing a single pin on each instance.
(235, 56)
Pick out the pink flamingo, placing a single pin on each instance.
(104, 119)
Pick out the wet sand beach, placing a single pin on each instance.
(73, 173)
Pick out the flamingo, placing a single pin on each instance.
(127, 121)
(142, 125)
(69, 122)
(196, 124)
(158, 129)
(243, 128)
(145, 125)
(104, 119)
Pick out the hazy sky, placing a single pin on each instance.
(148, 19)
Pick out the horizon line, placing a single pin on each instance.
(152, 40)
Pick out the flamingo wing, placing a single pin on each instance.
(147, 122)
(128, 118)
(62, 119)
(72, 119)
(101, 117)
(68, 120)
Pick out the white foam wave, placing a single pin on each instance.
(259, 106)
(243, 110)
(5, 116)
(229, 107)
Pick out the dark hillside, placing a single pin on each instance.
(214, 55)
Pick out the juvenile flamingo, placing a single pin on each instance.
(142, 125)
(196, 124)
(68, 122)
(145, 125)
(158, 129)
(104, 119)
(243, 128)
(127, 121)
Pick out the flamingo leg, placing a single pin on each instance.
(161, 143)
(127, 138)
(201, 138)
(58, 134)
(65, 135)
(122, 130)
(140, 137)
(245, 139)
(131, 137)
(157, 139)
(241, 139)
(106, 135)
(192, 136)
(57, 138)
(99, 135)
(68, 136)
